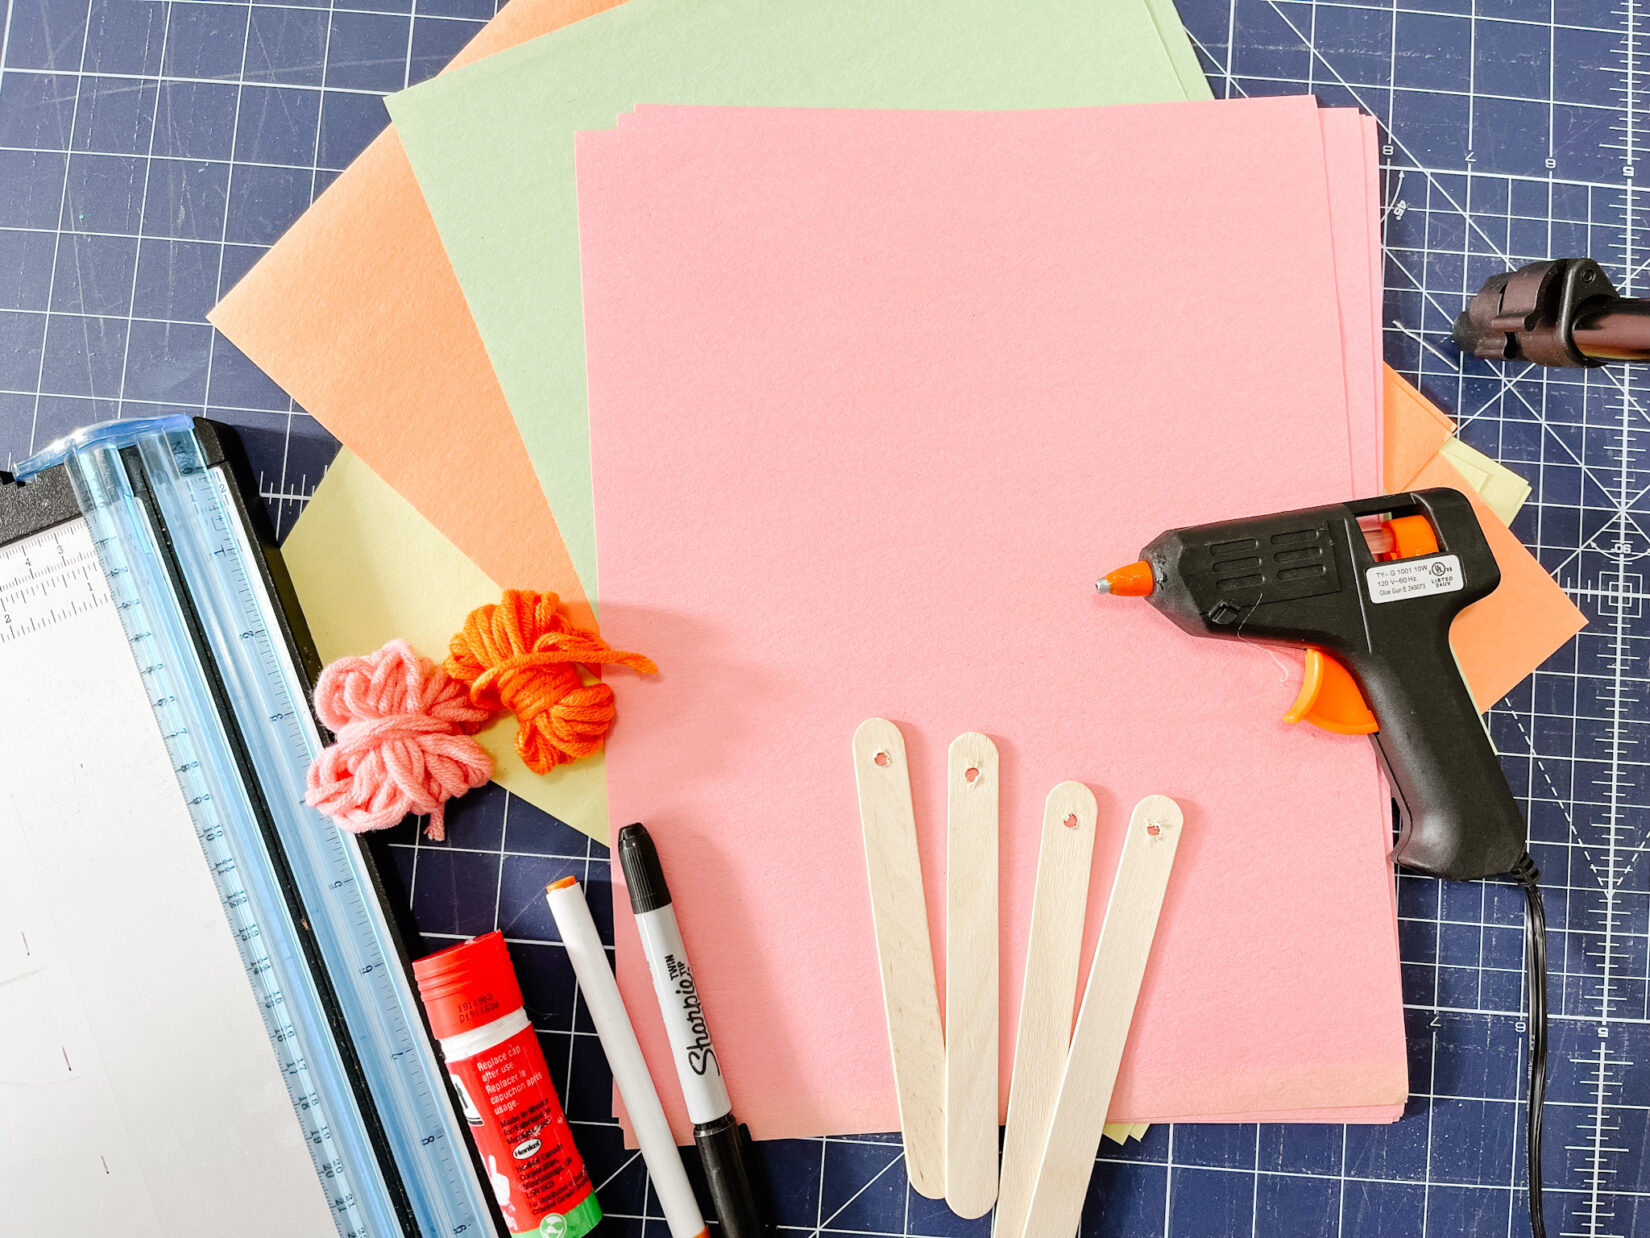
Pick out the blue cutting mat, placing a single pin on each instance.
(150, 150)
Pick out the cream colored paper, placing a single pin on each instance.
(1502, 490)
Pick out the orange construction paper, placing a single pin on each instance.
(1415, 430)
(358, 316)
(1523, 623)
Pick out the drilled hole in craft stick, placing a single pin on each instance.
(1071, 821)
(1154, 830)
(881, 758)
(971, 773)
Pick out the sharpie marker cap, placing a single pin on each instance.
(639, 861)
(724, 1146)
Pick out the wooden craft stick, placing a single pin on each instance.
(1103, 1022)
(904, 952)
(971, 994)
(1050, 994)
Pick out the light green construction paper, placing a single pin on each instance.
(1177, 43)
(492, 144)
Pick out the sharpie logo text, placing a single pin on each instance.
(701, 1055)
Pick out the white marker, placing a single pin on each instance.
(624, 1055)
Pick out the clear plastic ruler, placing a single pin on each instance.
(194, 597)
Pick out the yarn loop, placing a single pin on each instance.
(403, 728)
(522, 654)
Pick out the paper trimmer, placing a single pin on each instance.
(227, 665)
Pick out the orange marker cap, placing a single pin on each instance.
(1134, 581)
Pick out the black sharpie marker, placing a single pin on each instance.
(716, 1131)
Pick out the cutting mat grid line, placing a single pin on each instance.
(151, 150)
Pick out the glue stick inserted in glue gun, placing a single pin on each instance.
(1370, 590)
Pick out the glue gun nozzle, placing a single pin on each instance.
(1134, 581)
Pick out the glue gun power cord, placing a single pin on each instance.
(1535, 967)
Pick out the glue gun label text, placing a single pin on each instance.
(1414, 578)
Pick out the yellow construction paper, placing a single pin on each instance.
(368, 568)
(1503, 490)
(1118, 1132)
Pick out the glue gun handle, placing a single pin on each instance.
(1457, 817)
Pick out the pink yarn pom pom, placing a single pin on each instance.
(403, 728)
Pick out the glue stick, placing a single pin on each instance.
(504, 1089)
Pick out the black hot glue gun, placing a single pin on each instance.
(1370, 589)
(1565, 312)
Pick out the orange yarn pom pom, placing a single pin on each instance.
(520, 654)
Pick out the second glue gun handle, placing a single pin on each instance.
(1456, 814)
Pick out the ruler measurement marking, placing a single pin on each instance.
(35, 595)
(244, 926)
(1598, 1170)
(208, 496)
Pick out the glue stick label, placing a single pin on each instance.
(537, 1174)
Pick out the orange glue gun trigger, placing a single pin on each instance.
(1329, 698)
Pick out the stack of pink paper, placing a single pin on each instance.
(874, 397)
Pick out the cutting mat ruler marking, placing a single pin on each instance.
(1465, 219)
(1515, 131)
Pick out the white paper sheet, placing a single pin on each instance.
(137, 1086)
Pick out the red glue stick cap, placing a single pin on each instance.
(468, 985)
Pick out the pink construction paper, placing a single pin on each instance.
(1345, 167)
(1377, 283)
(1353, 177)
(874, 398)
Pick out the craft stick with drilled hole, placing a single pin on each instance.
(971, 997)
(1049, 995)
(1103, 1021)
(905, 954)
